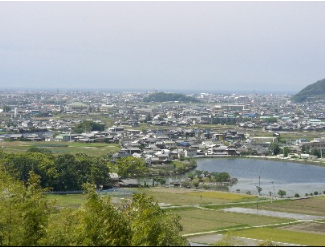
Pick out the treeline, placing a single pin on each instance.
(88, 126)
(29, 219)
(167, 97)
(58, 173)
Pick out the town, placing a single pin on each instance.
(213, 125)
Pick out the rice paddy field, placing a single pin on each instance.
(197, 218)
(182, 196)
(92, 149)
(285, 236)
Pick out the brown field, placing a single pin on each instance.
(311, 206)
(307, 227)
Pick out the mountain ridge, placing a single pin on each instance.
(312, 92)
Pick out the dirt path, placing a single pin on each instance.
(273, 213)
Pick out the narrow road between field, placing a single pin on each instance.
(273, 213)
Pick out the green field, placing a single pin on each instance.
(285, 236)
(92, 149)
(196, 220)
(71, 200)
(181, 196)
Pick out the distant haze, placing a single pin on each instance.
(201, 46)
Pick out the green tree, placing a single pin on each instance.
(274, 148)
(286, 151)
(281, 193)
(99, 172)
(68, 173)
(88, 126)
(151, 226)
(315, 152)
(101, 224)
(35, 212)
(220, 176)
(131, 167)
(24, 211)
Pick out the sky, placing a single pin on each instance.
(162, 45)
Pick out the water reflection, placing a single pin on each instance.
(274, 175)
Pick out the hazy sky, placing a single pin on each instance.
(206, 46)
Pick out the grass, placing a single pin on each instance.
(92, 149)
(180, 196)
(311, 206)
(196, 220)
(71, 200)
(222, 195)
(284, 236)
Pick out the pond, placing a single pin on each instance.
(274, 175)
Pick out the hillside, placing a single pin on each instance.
(166, 97)
(312, 92)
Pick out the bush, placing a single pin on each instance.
(296, 195)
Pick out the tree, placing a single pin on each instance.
(28, 219)
(24, 211)
(68, 173)
(220, 176)
(35, 212)
(315, 152)
(101, 224)
(99, 172)
(88, 126)
(151, 226)
(286, 151)
(131, 167)
(281, 193)
(274, 148)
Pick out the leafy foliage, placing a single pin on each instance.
(88, 126)
(274, 148)
(151, 226)
(24, 211)
(28, 219)
(281, 193)
(62, 172)
(131, 167)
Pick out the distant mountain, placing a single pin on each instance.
(166, 97)
(312, 92)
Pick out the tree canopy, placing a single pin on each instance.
(29, 219)
(60, 173)
(88, 126)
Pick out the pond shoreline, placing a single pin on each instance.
(318, 163)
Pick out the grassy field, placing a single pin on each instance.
(72, 200)
(311, 206)
(196, 220)
(285, 236)
(181, 196)
(92, 149)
